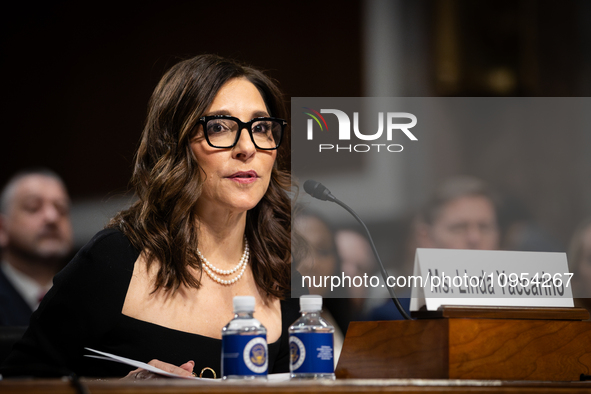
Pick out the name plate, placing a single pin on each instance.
(490, 278)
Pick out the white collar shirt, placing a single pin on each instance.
(28, 288)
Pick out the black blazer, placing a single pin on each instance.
(14, 311)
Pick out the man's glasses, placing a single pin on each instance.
(223, 131)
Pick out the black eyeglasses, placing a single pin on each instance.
(223, 131)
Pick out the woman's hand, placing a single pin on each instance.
(184, 370)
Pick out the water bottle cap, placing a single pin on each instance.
(310, 303)
(243, 304)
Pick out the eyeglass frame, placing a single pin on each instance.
(242, 125)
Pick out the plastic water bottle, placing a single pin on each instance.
(311, 342)
(244, 343)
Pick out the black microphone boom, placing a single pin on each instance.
(321, 192)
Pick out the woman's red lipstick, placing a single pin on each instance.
(244, 176)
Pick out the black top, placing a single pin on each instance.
(83, 309)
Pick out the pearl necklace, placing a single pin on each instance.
(210, 268)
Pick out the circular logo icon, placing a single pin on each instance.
(297, 352)
(255, 355)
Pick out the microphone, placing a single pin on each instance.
(321, 192)
(318, 190)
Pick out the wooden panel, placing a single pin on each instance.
(504, 349)
(519, 349)
(395, 349)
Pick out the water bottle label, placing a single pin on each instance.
(311, 352)
(244, 355)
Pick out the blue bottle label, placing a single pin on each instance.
(311, 352)
(244, 355)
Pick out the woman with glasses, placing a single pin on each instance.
(212, 221)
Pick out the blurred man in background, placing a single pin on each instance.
(461, 214)
(35, 239)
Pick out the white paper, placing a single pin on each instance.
(417, 299)
(276, 377)
(139, 364)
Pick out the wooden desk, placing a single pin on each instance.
(348, 386)
(507, 344)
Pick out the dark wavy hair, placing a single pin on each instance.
(168, 181)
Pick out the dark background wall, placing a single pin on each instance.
(77, 76)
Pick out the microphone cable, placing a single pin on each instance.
(321, 192)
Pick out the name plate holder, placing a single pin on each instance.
(472, 342)
(489, 278)
(503, 312)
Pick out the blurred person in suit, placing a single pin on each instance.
(35, 239)
(460, 214)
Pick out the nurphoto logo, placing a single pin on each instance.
(391, 119)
